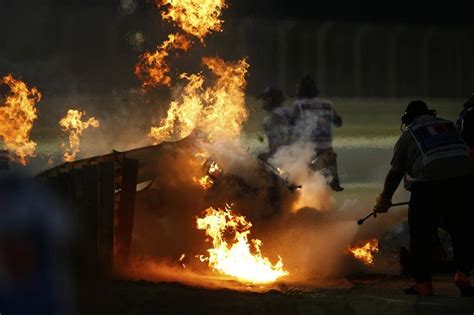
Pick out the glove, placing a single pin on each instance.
(382, 205)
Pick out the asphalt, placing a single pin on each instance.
(358, 294)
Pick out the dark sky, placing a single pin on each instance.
(414, 11)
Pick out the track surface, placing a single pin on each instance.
(357, 295)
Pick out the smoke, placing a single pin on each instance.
(125, 118)
(235, 159)
(311, 241)
(294, 161)
(314, 247)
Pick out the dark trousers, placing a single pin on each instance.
(325, 162)
(452, 202)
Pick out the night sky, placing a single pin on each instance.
(424, 11)
(417, 11)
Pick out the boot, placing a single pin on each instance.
(425, 289)
(336, 187)
(462, 282)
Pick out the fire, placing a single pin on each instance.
(366, 252)
(214, 169)
(195, 17)
(181, 259)
(17, 116)
(183, 115)
(205, 181)
(219, 110)
(226, 111)
(237, 258)
(73, 124)
(152, 68)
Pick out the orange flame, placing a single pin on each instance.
(205, 181)
(366, 252)
(214, 169)
(195, 17)
(152, 68)
(73, 124)
(181, 259)
(183, 115)
(219, 110)
(213, 172)
(17, 116)
(226, 111)
(237, 259)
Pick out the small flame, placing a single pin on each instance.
(236, 258)
(281, 172)
(214, 169)
(219, 111)
(366, 252)
(205, 181)
(195, 17)
(213, 172)
(152, 68)
(17, 116)
(181, 260)
(73, 124)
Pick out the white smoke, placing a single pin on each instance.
(294, 161)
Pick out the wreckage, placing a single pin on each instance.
(106, 193)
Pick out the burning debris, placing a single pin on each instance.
(17, 116)
(74, 124)
(181, 260)
(366, 252)
(205, 182)
(236, 258)
(210, 169)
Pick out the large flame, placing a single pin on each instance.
(226, 110)
(219, 110)
(366, 252)
(74, 124)
(17, 116)
(195, 17)
(237, 258)
(183, 115)
(152, 68)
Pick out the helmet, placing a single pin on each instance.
(469, 102)
(273, 97)
(415, 109)
(307, 88)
